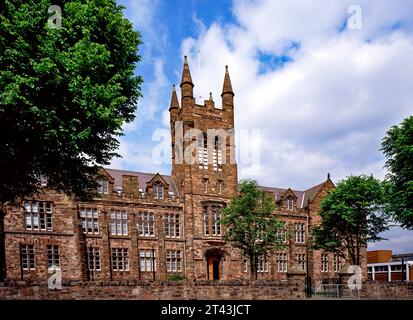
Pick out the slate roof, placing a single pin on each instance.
(143, 178)
(303, 196)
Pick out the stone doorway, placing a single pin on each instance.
(214, 262)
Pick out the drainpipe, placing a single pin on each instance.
(21, 261)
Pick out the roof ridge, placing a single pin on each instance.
(281, 188)
(141, 172)
(317, 185)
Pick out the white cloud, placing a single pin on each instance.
(152, 101)
(327, 110)
(136, 155)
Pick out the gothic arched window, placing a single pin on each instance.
(203, 151)
(217, 155)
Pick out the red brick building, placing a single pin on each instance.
(152, 226)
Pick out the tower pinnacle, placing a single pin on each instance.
(227, 87)
(174, 100)
(186, 81)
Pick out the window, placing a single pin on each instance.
(299, 232)
(203, 151)
(89, 220)
(27, 256)
(324, 262)
(146, 224)
(336, 261)
(173, 261)
(396, 267)
(261, 232)
(282, 261)
(282, 235)
(103, 186)
(120, 259)
(301, 260)
(380, 269)
(147, 259)
(53, 256)
(219, 187)
(205, 183)
(212, 220)
(244, 264)
(217, 154)
(289, 203)
(118, 222)
(38, 215)
(172, 225)
(93, 256)
(158, 191)
(262, 264)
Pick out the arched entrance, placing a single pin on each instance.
(214, 258)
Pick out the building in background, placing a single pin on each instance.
(383, 266)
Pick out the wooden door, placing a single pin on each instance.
(213, 267)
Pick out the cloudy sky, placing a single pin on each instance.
(317, 83)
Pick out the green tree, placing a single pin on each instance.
(250, 225)
(351, 216)
(64, 92)
(397, 146)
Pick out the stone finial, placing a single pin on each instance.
(346, 269)
(295, 269)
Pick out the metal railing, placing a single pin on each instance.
(368, 291)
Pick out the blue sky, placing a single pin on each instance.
(320, 92)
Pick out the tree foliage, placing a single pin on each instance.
(250, 224)
(352, 215)
(64, 93)
(397, 146)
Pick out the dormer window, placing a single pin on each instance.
(158, 191)
(289, 203)
(103, 186)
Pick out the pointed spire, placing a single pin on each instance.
(186, 74)
(186, 82)
(227, 87)
(174, 100)
(210, 97)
